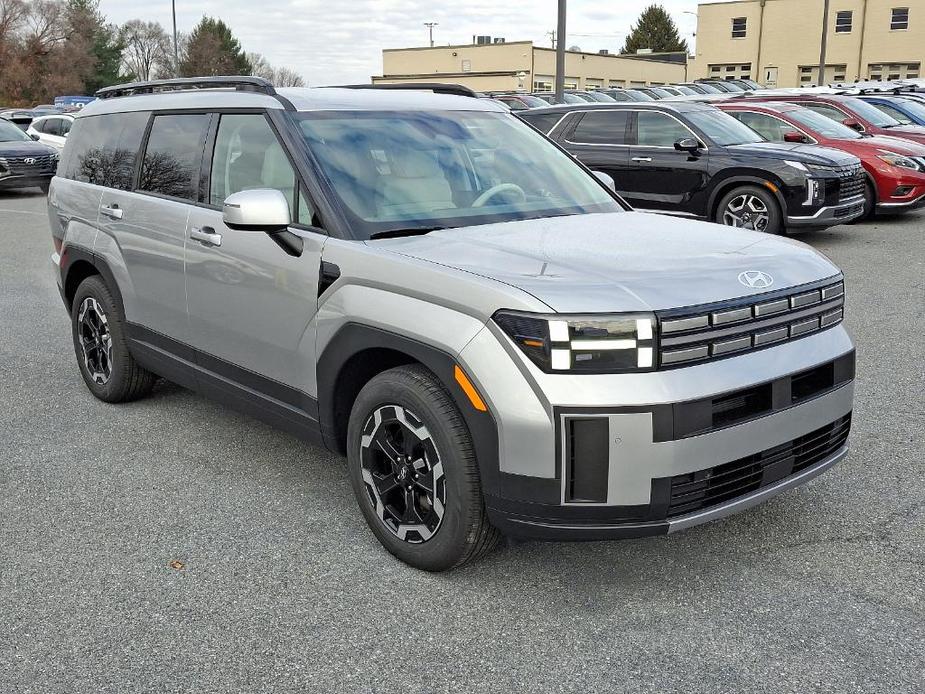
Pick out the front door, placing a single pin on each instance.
(251, 302)
(664, 178)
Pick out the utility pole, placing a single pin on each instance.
(430, 28)
(825, 37)
(176, 50)
(560, 53)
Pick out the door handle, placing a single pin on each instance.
(642, 160)
(112, 211)
(206, 236)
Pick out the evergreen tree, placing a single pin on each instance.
(87, 26)
(655, 30)
(212, 49)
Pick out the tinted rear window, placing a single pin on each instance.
(173, 156)
(103, 149)
(544, 122)
(601, 128)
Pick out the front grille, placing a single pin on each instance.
(850, 183)
(702, 489)
(31, 166)
(732, 328)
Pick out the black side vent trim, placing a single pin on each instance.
(328, 274)
(587, 459)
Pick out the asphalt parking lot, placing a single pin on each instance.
(283, 588)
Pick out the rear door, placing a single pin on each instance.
(598, 140)
(662, 177)
(251, 302)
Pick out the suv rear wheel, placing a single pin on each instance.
(750, 207)
(414, 472)
(98, 327)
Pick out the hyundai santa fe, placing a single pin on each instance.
(418, 280)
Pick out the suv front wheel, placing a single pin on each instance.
(414, 471)
(750, 207)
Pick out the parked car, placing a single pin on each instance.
(702, 88)
(895, 167)
(19, 117)
(597, 95)
(724, 86)
(425, 284)
(567, 97)
(24, 163)
(52, 130)
(853, 112)
(905, 109)
(692, 159)
(685, 90)
(628, 95)
(657, 93)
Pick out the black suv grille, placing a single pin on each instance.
(702, 489)
(31, 166)
(735, 327)
(851, 182)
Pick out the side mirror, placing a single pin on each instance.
(687, 144)
(794, 136)
(606, 179)
(853, 124)
(260, 209)
(34, 136)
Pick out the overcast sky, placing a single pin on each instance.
(341, 41)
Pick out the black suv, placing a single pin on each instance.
(693, 159)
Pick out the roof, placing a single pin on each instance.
(665, 105)
(303, 99)
(775, 106)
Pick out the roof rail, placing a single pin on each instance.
(435, 87)
(243, 83)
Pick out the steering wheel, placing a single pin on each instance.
(500, 188)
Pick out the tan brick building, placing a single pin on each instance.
(777, 42)
(523, 65)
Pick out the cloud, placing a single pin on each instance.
(341, 41)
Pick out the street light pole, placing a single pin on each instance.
(560, 53)
(176, 50)
(430, 28)
(825, 37)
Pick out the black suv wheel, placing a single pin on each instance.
(98, 327)
(414, 472)
(750, 207)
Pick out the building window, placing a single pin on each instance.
(900, 19)
(893, 71)
(739, 27)
(731, 71)
(843, 22)
(466, 65)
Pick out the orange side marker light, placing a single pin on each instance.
(469, 389)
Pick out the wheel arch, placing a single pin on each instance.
(359, 352)
(80, 264)
(736, 181)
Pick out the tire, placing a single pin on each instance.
(870, 203)
(407, 412)
(97, 323)
(754, 207)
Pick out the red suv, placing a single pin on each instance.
(855, 113)
(895, 167)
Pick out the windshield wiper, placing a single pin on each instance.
(397, 233)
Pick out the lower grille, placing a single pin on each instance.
(702, 489)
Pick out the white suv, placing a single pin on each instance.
(51, 130)
(419, 280)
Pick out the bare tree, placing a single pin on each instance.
(147, 48)
(278, 76)
(284, 77)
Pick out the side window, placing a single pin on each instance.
(768, 127)
(65, 125)
(41, 126)
(306, 213)
(52, 126)
(544, 122)
(601, 128)
(895, 112)
(827, 111)
(248, 155)
(173, 155)
(104, 149)
(658, 130)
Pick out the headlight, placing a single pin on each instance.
(899, 160)
(796, 164)
(595, 343)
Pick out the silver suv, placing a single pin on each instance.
(420, 281)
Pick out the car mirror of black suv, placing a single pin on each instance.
(687, 144)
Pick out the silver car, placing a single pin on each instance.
(418, 280)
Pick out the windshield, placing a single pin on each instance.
(722, 128)
(532, 101)
(420, 170)
(707, 89)
(871, 113)
(916, 108)
(660, 92)
(11, 133)
(823, 125)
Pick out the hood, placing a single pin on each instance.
(891, 144)
(628, 261)
(806, 154)
(25, 149)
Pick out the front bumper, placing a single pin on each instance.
(31, 181)
(652, 472)
(830, 215)
(893, 205)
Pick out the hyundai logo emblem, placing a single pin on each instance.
(756, 279)
(28, 160)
